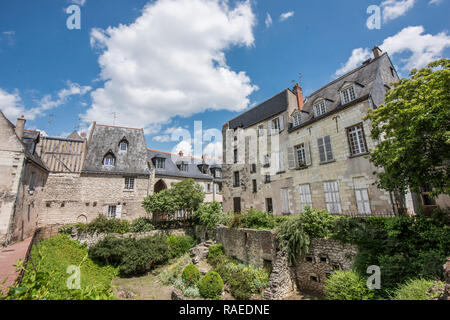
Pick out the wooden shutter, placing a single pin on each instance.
(291, 158)
(329, 152)
(281, 123)
(321, 146)
(119, 212)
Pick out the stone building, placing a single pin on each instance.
(171, 168)
(23, 176)
(313, 151)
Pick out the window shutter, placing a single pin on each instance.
(105, 211)
(269, 126)
(321, 150)
(307, 153)
(119, 212)
(281, 123)
(327, 142)
(281, 160)
(291, 158)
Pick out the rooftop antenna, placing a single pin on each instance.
(300, 77)
(77, 127)
(50, 117)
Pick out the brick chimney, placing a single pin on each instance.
(376, 52)
(298, 91)
(20, 126)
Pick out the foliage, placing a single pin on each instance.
(130, 255)
(347, 285)
(179, 245)
(403, 247)
(190, 275)
(101, 224)
(293, 238)
(414, 125)
(417, 289)
(241, 285)
(210, 215)
(188, 291)
(141, 225)
(210, 286)
(214, 252)
(317, 223)
(187, 195)
(173, 271)
(46, 276)
(255, 219)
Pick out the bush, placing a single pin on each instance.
(102, 224)
(416, 289)
(255, 219)
(241, 285)
(179, 245)
(346, 285)
(190, 275)
(172, 272)
(211, 215)
(131, 255)
(211, 285)
(214, 252)
(293, 237)
(317, 223)
(141, 225)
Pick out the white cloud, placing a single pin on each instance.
(171, 61)
(11, 105)
(185, 146)
(286, 15)
(435, 2)
(268, 20)
(358, 55)
(162, 138)
(47, 103)
(422, 49)
(213, 150)
(79, 2)
(393, 9)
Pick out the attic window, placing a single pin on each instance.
(296, 119)
(109, 160)
(123, 145)
(183, 166)
(160, 163)
(319, 108)
(348, 94)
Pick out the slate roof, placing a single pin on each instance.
(370, 79)
(104, 139)
(171, 168)
(263, 111)
(30, 139)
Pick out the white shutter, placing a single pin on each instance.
(119, 212)
(291, 158)
(307, 153)
(269, 127)
(281, 161)
(281, 123)
(105, 211)
(285, 200)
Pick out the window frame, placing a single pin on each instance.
(305, 198)
(319, 108)
(237, 181)
(296, 149)
(129, 183)
(345, 92)
(112, 209)
(254, 186)
(333, 195)
(160, 163)
(347, 130)
(109, 158)
(364, 202)
(324, 145)
(123, 143)
(296, 119)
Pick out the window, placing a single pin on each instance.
(285, 201)
(362, 201)
(319, 109)
(123, 146)
(332, 199)
(276, 125)
(267, 178)
(269, 205)
(236, 179)
(31, 184)
(218, 173)
(305, 196)
(180, 213)
(160, 163)
(208, 187)
(325, 152)
(237, 205)
(348, 95)
(235, 155)
(109, 160)
(253, 168)
(111, 211)
(356, 140)
(296, 119)
(183, 166)
(255, 187)
(301, 154)
(266, 160)
(129, 183)
(260, 130)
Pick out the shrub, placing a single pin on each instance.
(208, 214)
(293, 237)
(102, 224)
(172, 272)
(210, 286)
(346, 285)
(241, 285)
(191, 292)
(141, 225)
(214, 252)
(255, 219)
(190, 275)
(179, 245)
(317, 223)
(417, 289)
(131, 255)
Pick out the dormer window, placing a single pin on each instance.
(218, 173)
(109, 160)
(296, 119)
(123, 145)
(319, 108)
(160, 163)
(183, 166)
(348, 94)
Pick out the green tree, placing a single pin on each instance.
(414, 126)
(186, 195)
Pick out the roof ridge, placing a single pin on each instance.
(184, 156)
(111, 126)
(347, 74)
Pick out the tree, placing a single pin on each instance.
(186, 195)
(414, 128)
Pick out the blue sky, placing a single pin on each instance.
(164, 64)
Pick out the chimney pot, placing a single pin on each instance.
(376, 52)
(20, 127)
(298, 91)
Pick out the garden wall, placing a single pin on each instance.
(260, 248)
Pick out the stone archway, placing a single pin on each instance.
(159, 186)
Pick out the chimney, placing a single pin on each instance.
(298, 91)
(20, 126)
(376, 52)
(83, 134)
(180, 153)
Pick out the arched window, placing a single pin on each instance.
(109, 159)
(123, 145)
